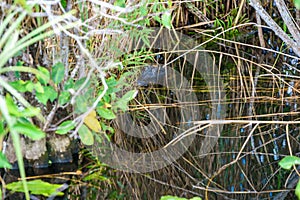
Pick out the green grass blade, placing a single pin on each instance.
(16, 142)
(5, 22)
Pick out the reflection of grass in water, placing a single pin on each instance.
(152, 97)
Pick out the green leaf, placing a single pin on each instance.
(29, 86)
(121, 104)
(105, 113)
(120, 3)
(49, 94)
(129, 95)
(29, 112)
(37, 187)
(43, 79)
(64, 97)
(65, 127)
(11, 106)
(297, 190)
(58, 72)
(38, 87)
(64, 3)
(297, 4)
(123, 101)
(69, 84)
(19, 85)
(288, 162)
(81, 104)
(28, 129)
(166, 19)
(169, 197)
(2, 130)
(15, 111)
(4, 162)
(96, 176)
(86, 135)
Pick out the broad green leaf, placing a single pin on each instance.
(28, 129)
(42, 98)
(52, 93)
(112, 85)
(86, 135)
(92, 122)
(43, 79)
(58, 73)
(288, 162)
(81, 104)
(65, 127)
(4, 162)
(69, 84)
(37, 187)
(19, 85)
(169, 197)
(49, 94)
(196, 198)
(297, 4)
(29, 86)
(106, 98)
(38, 87)
(64, 97)
(297, 190)
(106, 113)
(166, 19)
(129, 95)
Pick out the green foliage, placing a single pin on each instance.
(13, 115)
(287, 163)
(106, 113)
(64, 3)
(20, 123)
(37, 187)
(58, 72)
(166, 17)
(168, 197)
(49, 93)
(297, 4)
(123, 101)
(24, 127)
(297, 190)
(120, 3)
(86, 135)
(65, 127)
(4, 162)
